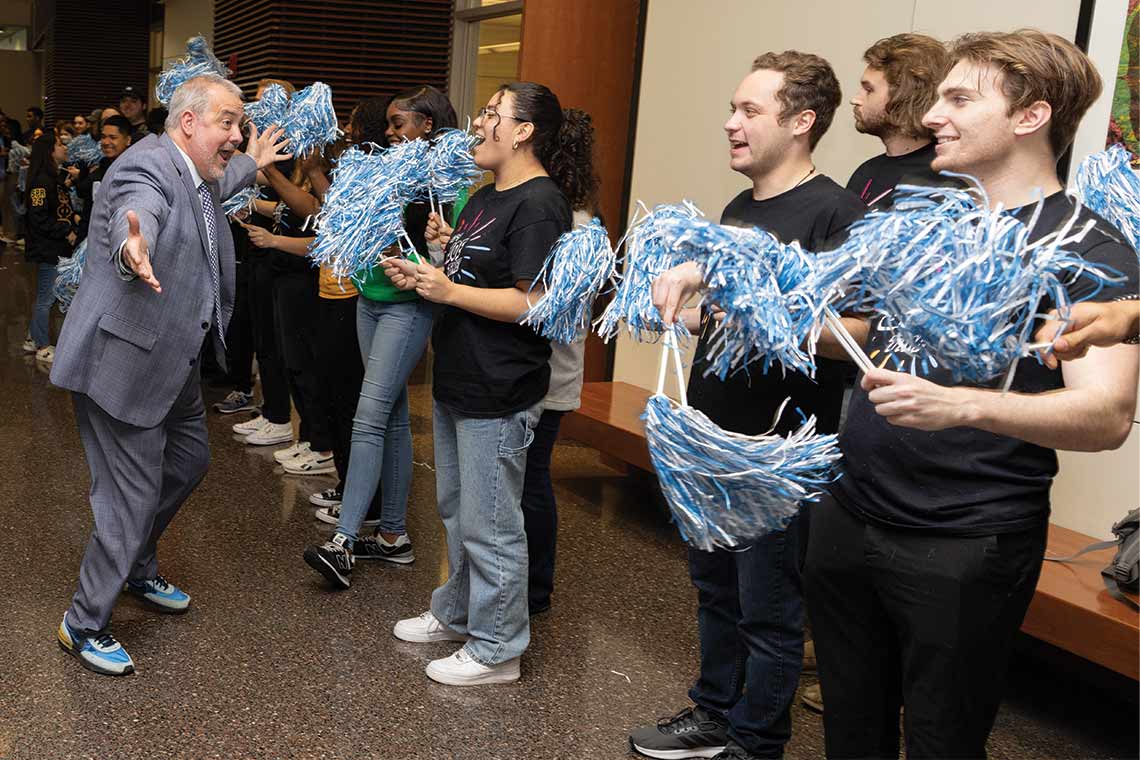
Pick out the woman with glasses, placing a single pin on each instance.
(490, 377)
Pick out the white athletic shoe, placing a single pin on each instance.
(271, 433)
(424, 630)
(46, 354)
(311, 464)
(296, 450)
(460, 670)
(250, 426)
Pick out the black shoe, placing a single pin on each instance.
(735, 752)
(375, 547)
(537, 608)
(693, 732)
(332, 560)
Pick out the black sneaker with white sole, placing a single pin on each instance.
(332, 559)
(375, 547)
(330, 497)
(693, 732)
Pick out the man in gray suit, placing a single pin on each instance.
(129, 347)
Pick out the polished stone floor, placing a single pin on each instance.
(270, 663)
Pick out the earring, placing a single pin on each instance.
(515, 145)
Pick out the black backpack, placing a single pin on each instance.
(1124, 572)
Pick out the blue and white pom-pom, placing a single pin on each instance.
(17, 153)
(451, 167)
(83, 149)
(962, 280)
(270, 109)
(310, 121)
(757, 281)
(644, 257)
(242, 200)
(1108, 185)
(199, 60)
(578, 267)
(362, 215)
(69, 271)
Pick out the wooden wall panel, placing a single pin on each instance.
(360, 48)
(586, 52)
(91, 50)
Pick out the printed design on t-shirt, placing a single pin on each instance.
(902, 355)
(463, 239)
(38, 196)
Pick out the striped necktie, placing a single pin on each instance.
(212, 231)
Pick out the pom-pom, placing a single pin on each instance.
(17, 154)
(1107, 184)
(270, 109)
(83, 149)
(199, 60)
(451, 168)
(960, 279)
(756, 280)
(68, 272)
(241, 200)
(645, 257)
(724, 488)
(578, 267)
(310, 121)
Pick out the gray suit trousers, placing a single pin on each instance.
(139, 479)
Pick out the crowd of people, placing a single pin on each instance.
(916, 569)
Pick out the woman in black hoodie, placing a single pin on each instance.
(51, 228)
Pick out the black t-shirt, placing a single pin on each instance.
(815, 214)
(483, 367)
(965, 481)
(876, 178)
(288, 224)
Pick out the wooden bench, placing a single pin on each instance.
(1071, 609)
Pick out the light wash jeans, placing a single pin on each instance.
(40, 326)
(392, 339)
(479, 468)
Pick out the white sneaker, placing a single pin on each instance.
(296, 450)
(424, 630)
(46, 354)
(29, 346)
(250, 426)
(271, 433)
(460, 670)
(313, 463)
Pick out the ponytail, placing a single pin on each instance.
(563, 142)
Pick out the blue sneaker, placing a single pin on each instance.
(160, 593)
(100, 653)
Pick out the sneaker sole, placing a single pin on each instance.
(319, 501)
(219, 410)
(270, 441)
(330, 573)
(404, 559)
(159, 606)
(676, 754)
(315, 471)
(431, 638)
(441, 676)
(90, 665)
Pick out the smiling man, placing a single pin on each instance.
(750, 611)
(923, 561)
(895, 91)
(128, 350)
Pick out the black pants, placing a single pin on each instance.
(906, 618)
(296, 311)
(239, 335)
(540, 513)
(341, 373)
(270, 365)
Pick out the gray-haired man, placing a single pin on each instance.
(128, 350)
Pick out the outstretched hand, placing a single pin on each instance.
(136, 253)
(269, 147)
(1090, 324)
(674, 287)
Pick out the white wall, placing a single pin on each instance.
(696, 53)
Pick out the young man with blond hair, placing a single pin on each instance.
(896, 89)
(922, 562)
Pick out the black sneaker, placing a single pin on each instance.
(375, 547)
(235, 402)
(330, 497)
(735, 752)
(333, 560)
(693, 732)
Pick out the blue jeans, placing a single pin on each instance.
(479, 469)
(750, 621)
(392, 339)
(39, 328)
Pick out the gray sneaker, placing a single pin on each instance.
(375, 547)
(235, 402)
(693, 732)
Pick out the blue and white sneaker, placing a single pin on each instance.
(101, 653)
(160, 593)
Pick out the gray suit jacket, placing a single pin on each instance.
(126, 347)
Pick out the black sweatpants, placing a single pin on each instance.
(270, 364)
(296, 311)
(904, 618)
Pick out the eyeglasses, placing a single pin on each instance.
(488, 111)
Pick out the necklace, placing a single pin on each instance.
(804, 179)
